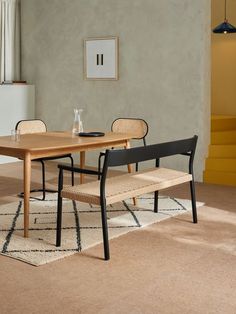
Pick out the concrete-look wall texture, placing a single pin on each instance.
(223, 61)
(164, 65)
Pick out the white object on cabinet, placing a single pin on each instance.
(17, 102)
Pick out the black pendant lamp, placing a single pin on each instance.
(225, 27)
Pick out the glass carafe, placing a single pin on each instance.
(77, 125)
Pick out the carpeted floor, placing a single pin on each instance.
(171, 267)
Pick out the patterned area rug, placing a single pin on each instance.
(81, 225)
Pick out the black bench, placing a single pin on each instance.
(110, 190)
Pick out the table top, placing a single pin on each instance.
(49, 143)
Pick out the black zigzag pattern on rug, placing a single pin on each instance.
(78, 227)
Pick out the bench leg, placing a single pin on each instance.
(156, 193)
(59, 208)
(59, 219)
(105, 230)
(193, 199)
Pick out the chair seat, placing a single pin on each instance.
(127, 185)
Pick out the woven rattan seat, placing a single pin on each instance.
(127, 186)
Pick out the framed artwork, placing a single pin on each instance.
(101, 58)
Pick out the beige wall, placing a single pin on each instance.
(164, 65)
(223, 61)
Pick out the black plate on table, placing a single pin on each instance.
(91, 134)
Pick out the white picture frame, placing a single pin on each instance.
(101, 58)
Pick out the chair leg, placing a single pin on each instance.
(72, 173)
(99, 166)
(43, 180)
(136, 167)
(59, 209)
(193, 199)
(43, 189)
(105, 230)
(156, 193)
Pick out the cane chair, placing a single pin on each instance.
(137, 127)
(38, 126)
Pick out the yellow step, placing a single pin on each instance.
(222, 151)
(221, 164)
(223, 123)
(219, 177)
(223, 137)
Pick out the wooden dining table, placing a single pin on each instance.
(49, 144)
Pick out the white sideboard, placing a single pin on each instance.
(17, 102)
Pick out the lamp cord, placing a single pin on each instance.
(225, 10)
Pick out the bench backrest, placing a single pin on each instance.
(138, 154)
(122, 157)
(129, 156)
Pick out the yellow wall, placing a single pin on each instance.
(223, 61)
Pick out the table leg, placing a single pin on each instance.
(27, 178)
(82, 164)
(130, 168)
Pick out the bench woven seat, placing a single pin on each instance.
(127, 185)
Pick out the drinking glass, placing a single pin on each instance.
(15, 135)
